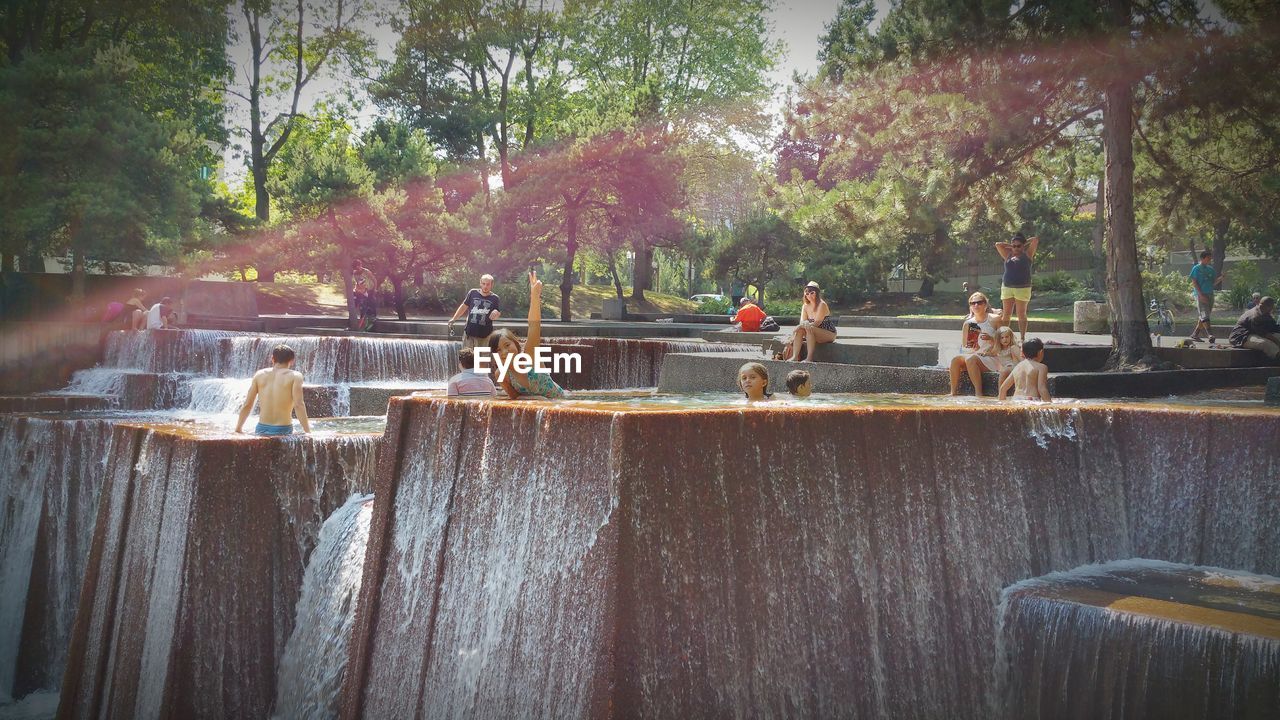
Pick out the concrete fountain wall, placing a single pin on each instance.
(196, 567)
(528, 561)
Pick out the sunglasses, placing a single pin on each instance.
(809, 290)
(977, 302)
(1017, 246)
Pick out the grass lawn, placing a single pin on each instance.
(587, 299)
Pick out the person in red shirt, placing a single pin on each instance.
(749, 316)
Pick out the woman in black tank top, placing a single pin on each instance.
(1015, 285)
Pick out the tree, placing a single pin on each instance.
(166, 75)
(681, 66)
(85, 168)
(759, 250)
(477, 75)
(619, 187)
(283, 59)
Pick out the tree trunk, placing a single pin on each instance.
(1099, 232)
(262, 210)
(1220, 230)
(77, 274)
(613, 273)
(6, 262)
(640, 273)
(397, 290)
(972, 261)
(566, 276)
(1130, 335)
(930, 261)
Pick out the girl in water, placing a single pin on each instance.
(504, 344)
(753, 379)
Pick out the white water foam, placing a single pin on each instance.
(315, 657)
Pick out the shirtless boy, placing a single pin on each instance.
(278, 391)
(1029, 378)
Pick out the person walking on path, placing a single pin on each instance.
(1015, 285)
(482, 307)
(1257, 329)
(278, 393)
(1203, 281)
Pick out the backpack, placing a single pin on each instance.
(768, 324)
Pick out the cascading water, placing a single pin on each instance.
(51, 474)
(315, 658)
(622, 363)
(197, 562)
(768, 561)
(1140, 639)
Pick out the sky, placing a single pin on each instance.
(796, 23)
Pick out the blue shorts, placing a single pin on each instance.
(264, 429)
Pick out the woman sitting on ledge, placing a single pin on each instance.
(816, 327)
(977, 336)
(504, 344)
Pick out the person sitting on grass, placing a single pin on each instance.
(976, 333)
(278, 393)
(748, 317)
(505, 345)
(1030, 378)
(753, 380)
(799, 383)
(469, 382)
(815, 328)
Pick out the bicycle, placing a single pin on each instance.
(1160, 319)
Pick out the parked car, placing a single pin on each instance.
(707, 296)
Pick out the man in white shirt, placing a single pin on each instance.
(161, 315)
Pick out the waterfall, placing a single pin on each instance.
(621, 363)
(1140, 639)
(550, 563)
(51, 475)
(197, 562)
(315, 658)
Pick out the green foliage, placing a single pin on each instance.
(784, 307)
(1171, 287)
(762, 248)
(1057, 282)
(710, 306)
(86, 168)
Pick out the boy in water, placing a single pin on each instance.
(278, 390)
(469, 382)
(799, 383)
(1029, 378)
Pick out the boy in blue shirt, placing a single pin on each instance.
(1203, 279)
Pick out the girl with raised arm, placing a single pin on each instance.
(505, 345)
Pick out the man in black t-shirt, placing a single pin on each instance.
(482, 307)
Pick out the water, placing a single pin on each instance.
(1140, 639)
(51, 474)
(690, 557)
(315, 658)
